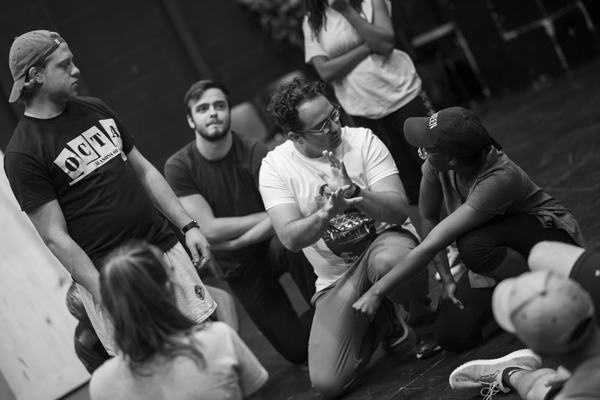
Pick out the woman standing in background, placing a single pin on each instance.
(351, 45)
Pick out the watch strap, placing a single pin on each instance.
(356, 191)
(191, 225)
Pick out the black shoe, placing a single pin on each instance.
(398, 336)
(427, 346)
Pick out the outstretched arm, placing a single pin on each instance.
(50, 223)
(447, 231)
(163, 197)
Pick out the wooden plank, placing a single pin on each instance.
(37, 357)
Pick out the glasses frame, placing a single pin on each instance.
(327, 123)
(423, 153)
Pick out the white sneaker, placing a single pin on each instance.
(487, 374)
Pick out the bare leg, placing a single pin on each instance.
(531, 385)
(225, 311)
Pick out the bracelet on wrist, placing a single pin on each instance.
(190, 226)
(355, 193)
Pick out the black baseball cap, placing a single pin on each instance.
(455, 131)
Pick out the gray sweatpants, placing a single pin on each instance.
(340, 347)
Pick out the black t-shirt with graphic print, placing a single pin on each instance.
(79, 158)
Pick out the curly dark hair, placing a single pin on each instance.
(286, 99)
(315, 10)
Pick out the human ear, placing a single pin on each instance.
(190, 122)
(295, 137)
(452, 161)
(34, 74)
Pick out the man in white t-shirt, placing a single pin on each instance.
(335, 194)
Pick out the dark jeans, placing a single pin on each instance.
(390, 129)
(259, 291)
(482, 250)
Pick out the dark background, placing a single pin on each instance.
(140, 56)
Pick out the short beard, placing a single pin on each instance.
(215, 138)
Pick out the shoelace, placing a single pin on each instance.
(489, 391)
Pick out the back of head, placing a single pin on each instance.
(196, 91)
(29, 50)
(552, 315)
(290, 95)
(139, 295)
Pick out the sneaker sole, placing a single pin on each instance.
(430, 353)
(514, 354)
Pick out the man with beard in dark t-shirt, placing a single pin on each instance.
(76, 173)
(216, 179)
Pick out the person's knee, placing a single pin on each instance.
(328, 384)
(477, 252)
(383, 262)
(537, 255)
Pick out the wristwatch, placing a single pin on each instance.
(356, 192)
(191, 225)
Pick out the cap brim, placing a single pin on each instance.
(500, 304)
(415, 132)
(16, 89)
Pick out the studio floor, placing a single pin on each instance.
(553, 133)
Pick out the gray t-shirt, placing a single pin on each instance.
(230, 371)
(502, 188)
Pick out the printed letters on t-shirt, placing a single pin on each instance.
(90, 150)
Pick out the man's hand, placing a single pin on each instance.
(337, 203)
(366, 307)
(198, 246)
(448, 293)
(339, 175)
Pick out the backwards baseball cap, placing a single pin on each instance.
(454, 131)
(29, 50)
(549, 313)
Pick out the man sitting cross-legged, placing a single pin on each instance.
(334, 193)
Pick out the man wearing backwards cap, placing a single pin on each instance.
(76, 173)
(496, 215)
(554, 316)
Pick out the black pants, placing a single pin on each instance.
(390, 129)
(482, 250)
(258, 289)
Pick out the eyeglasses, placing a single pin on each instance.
(326, 127)
(423, 152)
